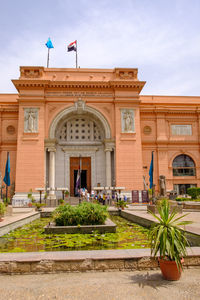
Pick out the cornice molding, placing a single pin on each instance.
(168, 111)
(9, 109)
(170, 143)
(28, 83)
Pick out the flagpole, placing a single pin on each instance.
(76, 56)
(153, 186)
(48, 58)
(6, 184)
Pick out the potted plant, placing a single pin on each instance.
(2, 210)
(61, 202)
(168, 241)
(66, 194)
(38, 206)
(121, 204)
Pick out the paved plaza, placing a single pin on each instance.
(137, 285)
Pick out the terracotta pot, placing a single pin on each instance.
(169, 269)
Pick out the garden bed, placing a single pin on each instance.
(108, 227)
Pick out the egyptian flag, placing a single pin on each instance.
(72, 46)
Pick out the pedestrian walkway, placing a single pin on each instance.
(138, 285)
(193, 216)
(17, 219)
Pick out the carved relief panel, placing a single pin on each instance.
(185, 129)
(31, 120)
(127, 121)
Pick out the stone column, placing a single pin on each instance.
(52, 152)
(108, 166)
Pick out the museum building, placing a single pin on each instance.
(61, 120)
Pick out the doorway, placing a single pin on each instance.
(80, 180)
(181, 189)
(83, 164)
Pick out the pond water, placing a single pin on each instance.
(30, 238)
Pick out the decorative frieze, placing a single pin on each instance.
(31, 72)
(126, 74)
(81, 94)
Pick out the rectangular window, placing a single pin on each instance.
(181, 129)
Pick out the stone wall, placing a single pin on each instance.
(82, 261)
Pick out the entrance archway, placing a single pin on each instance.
(80, 131)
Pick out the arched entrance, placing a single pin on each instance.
(80, 137)
(183, 166)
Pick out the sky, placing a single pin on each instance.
(159, 37)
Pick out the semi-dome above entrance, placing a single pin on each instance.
(79, 129)
(83, 114)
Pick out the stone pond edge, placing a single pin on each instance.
(84, 261)
(108, 227)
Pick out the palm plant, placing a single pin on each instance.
(166, 236)
(121, 204)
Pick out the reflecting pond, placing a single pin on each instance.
(30, 238)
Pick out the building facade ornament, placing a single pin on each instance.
(80, 106)
(31, 120)
(127, 121)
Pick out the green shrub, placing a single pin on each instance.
(6, 201)
(2, 208)
(183, 199)
(193, 192)
(82, 214)
(30, 196)
(188, 199)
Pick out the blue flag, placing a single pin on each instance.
(49, 44)
(151, 172)
(7, 172)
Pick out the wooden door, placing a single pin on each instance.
(86, 166)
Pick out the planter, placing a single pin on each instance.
(108, 227)
(169, 269)
(38, 209)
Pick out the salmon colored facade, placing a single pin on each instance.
(97, 115)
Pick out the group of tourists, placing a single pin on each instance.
(102, 197)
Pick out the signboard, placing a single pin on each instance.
(145, 196)
(135, 196)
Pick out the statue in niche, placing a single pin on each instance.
(30, 120)
(162, 184)
(127, 121)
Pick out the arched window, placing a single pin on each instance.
(183, 165)
(80, 129)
